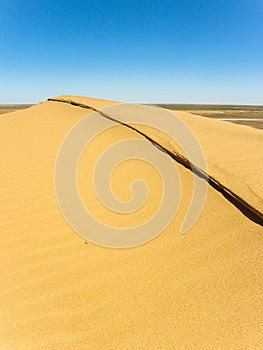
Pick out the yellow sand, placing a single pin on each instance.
(202, 290)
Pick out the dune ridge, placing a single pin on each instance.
(253, 208)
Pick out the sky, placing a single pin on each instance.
(156, 51)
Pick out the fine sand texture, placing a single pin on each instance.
(201, 290)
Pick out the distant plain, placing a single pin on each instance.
(232, 112)
(13, 107)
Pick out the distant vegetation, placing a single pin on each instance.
(12, 108)
(223, 111)
(188, 107)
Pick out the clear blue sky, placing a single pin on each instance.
(180, 51)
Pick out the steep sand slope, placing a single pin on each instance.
(233, 153)
(196, 291)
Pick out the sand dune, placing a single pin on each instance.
(196, 291)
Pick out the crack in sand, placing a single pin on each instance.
(244, 207)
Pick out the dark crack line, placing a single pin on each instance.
(246, 209)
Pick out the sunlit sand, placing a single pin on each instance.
(202, 290)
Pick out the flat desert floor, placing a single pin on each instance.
(201, 290)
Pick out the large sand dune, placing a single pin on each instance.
(202, 290)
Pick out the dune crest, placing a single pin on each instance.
(225, 147)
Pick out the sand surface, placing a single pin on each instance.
(202, 290)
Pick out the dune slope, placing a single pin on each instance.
(196, 291)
